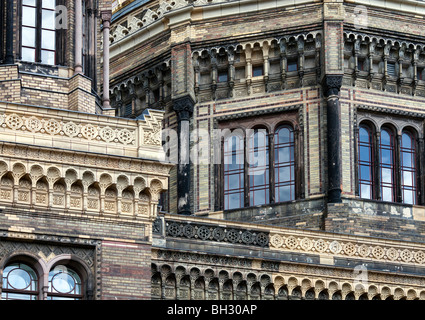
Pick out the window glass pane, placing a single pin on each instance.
(292, 66)
(48, 39)
(234, 201)
(48, 57)
(284, 174)
(49, 4)
(222, 77)
(20, 277)
(29, 2)
(64, 280)
(257, 71)
(385, 138)
(406, 141)
(365, 173)
(387, 175)
(28, 54)
(407, 178)
(407, 160)
(48, 19)
(408, 196)
(364, 135)
(28, 37)
(284, 135)
(28, 16)
(365, 191)
(387, 194)
(386, 156)
(17, 296)
(364, 153)
(284, 193)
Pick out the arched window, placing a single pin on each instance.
(64, 284)
(20, 282)
(233, 172)
(284, 157)
(38, 36)
(258, 162)
(366, 162)
(386, 155)
(408, 167)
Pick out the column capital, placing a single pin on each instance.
(332, 85)
(183, 107)
(106, 15)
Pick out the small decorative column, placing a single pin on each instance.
(283, 63)
(332, 86)
(184, 109)
(106, 20)
(78, 66)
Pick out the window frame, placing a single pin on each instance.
(34, 293)
(396, 127)
(271, 122)
(42, 269)
(38, 48)
(392, 148)
(278, 164)
(371, 163)
(413, 151)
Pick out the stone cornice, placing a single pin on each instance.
(326, 244)
(85, 132)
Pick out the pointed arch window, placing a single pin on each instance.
(387, 166)
(284, 157)
(20, 282)
(366, 162)
(408, 167)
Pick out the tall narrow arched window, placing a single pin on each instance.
(258, 167)
(366, 162)
(38, 35)
(64, 284)
(234, 162)
(386, 154)
(408, 167)
(284, 157)
(20, 282)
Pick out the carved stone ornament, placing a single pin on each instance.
(183, 107)
(332, 85)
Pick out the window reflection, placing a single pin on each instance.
(258, 148)
(64, 284)
(20, 282)
(386, 149)
(233, 172)
(284, 164)
(408, 168)
(365, 155)
(38, 36)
